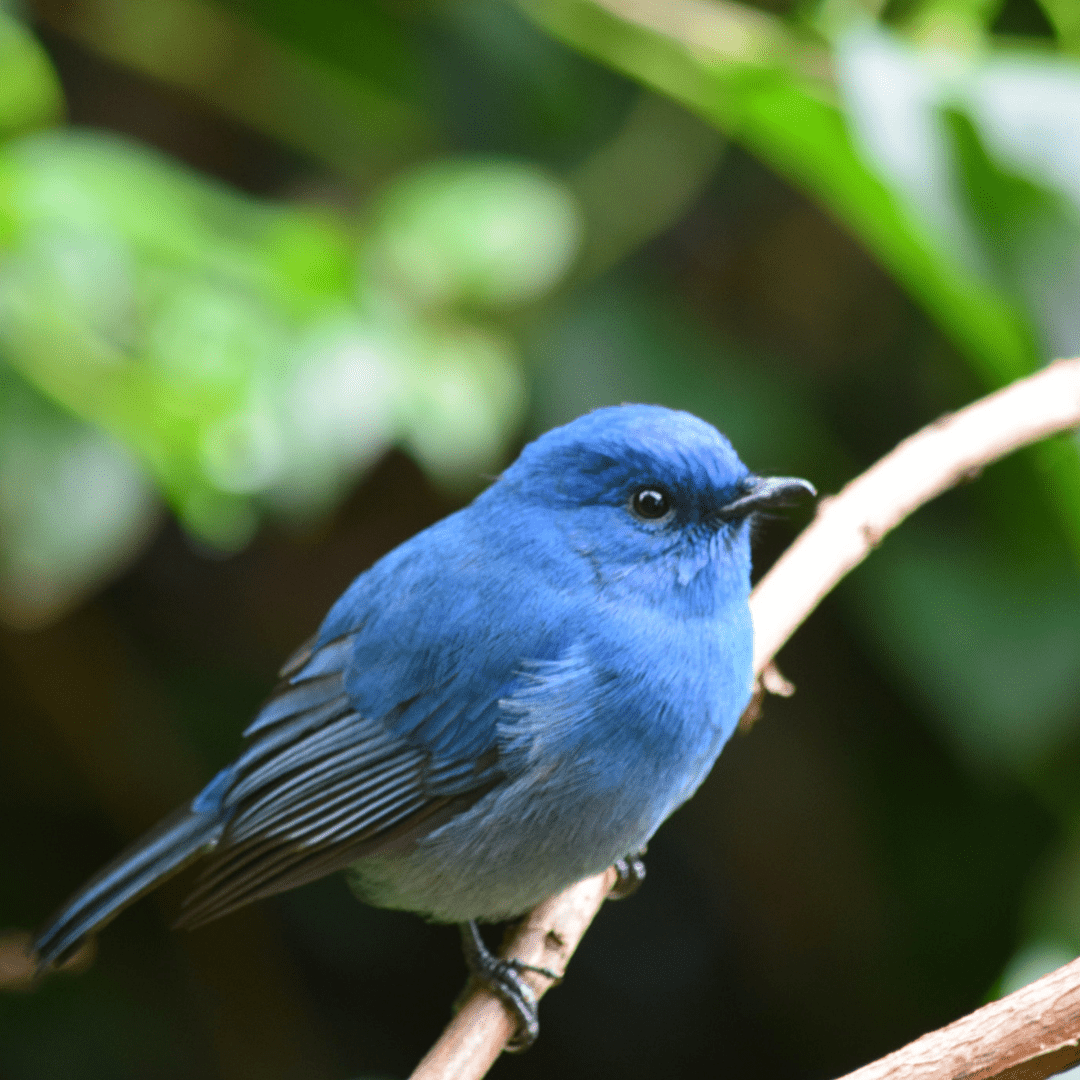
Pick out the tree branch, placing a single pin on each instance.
(1031, 1034)
(1028, 1035)
(849, 526)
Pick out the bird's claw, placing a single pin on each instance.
(630, 874)
(503, 978)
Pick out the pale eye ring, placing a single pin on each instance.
(649, 504)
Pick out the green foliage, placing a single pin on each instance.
(362, 40)
(455, 234)
(462, 249)
(1065, 18)
(56, 472)
(254, 357)
(29, 92)
(882, 162)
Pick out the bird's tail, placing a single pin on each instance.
(167, 848)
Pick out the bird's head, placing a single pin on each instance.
(650, 496)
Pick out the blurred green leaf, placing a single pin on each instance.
(987, 160)
(887, 173)
(255, 357)
(362, 39)
(960, 26)
(491, 234)
(1064, 15)
(30, 95)
(1024, 194)
(83, 182)
(74, 506)
(456, 424)
(766, 100)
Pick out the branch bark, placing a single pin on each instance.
(1032, 1033)
(1028, 1035)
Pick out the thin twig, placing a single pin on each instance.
(955, 448)
(1026, 1036)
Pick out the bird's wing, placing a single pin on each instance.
(321, 785)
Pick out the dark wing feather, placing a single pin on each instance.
(320, 786)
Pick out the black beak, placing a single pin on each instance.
(763, 492)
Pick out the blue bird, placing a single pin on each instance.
(510, 701)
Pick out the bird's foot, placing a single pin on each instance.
(503, 978)
(631, 874)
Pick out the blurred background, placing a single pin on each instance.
(282, 283)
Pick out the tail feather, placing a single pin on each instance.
(159, 854)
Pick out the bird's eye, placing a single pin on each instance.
(650, 504)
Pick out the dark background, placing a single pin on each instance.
(871, 861)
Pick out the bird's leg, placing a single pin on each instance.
(503, 978)
(631, 874)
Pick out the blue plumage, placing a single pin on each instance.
(506, 703)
